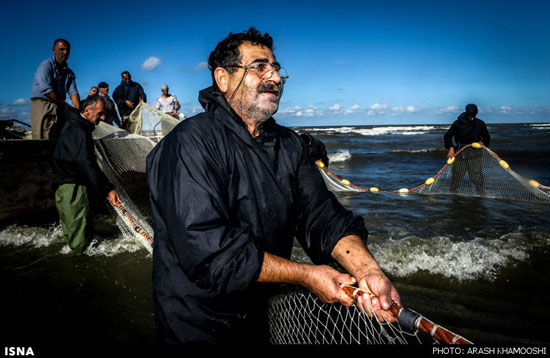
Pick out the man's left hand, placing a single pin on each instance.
(113, 197)
(376, 282)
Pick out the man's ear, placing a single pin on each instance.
(222, 79)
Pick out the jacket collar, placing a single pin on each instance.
(215, 103)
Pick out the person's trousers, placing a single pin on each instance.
(75, 213)
(45, 120)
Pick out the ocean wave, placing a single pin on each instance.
(376, 131)
(429, 150)
(52, 237)
(340, 156)
(539, 125)
(462, 260)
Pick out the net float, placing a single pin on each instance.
(504, 164)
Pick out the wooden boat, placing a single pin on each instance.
(25, 179)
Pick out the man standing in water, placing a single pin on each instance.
(467, 129)
(230, 190)
(79, 181)
(52, 81)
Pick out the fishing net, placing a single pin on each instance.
(295, 317)
(298, 317)
(475, 170)
(122, 157)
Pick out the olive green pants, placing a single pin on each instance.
(75, 213)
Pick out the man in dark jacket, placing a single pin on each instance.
(467, 129)
(230, 190)
(127, 96)
(78, 178)
(111, 115)
(316, 148)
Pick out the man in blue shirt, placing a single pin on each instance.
(53, 80)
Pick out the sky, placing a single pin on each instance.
(349, 62)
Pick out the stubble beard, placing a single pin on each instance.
(258, 109)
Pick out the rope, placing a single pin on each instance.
(429, 181)
(436, 331)
(137, 229)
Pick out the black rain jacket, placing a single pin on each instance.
(74, 159)
(220, 199)
(132, 92)
(466, 131)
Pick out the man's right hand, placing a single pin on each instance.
(325, 282)
(129, 104)
(451, 153)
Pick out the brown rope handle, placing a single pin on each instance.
(411, 320)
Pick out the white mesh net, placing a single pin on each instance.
(299, 317)
(474, 171)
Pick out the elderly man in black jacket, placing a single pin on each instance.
(78, 178)
(230, 190)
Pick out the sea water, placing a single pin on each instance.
(476, 266)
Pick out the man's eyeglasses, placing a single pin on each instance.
(265, 69)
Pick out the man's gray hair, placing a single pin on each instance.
(90, 101)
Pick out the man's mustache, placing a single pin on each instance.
(269, 86)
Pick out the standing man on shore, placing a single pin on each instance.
(53, 80)
(127, 96)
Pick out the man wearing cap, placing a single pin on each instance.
(53, 80)
(111, 115)
(465, 130)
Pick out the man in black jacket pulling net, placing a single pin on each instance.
(467, 129)
(78, 179)
(230, 190)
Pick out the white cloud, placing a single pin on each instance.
(407, 109)
(298, 111)
(504, 110)
(352, 109)
(196, 109)
(201, 66)
(335, 107)
(379, 107)
(19, 102)
(291, 111)
(451, 109)
(151, 63)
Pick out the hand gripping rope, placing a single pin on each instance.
(412, 321)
